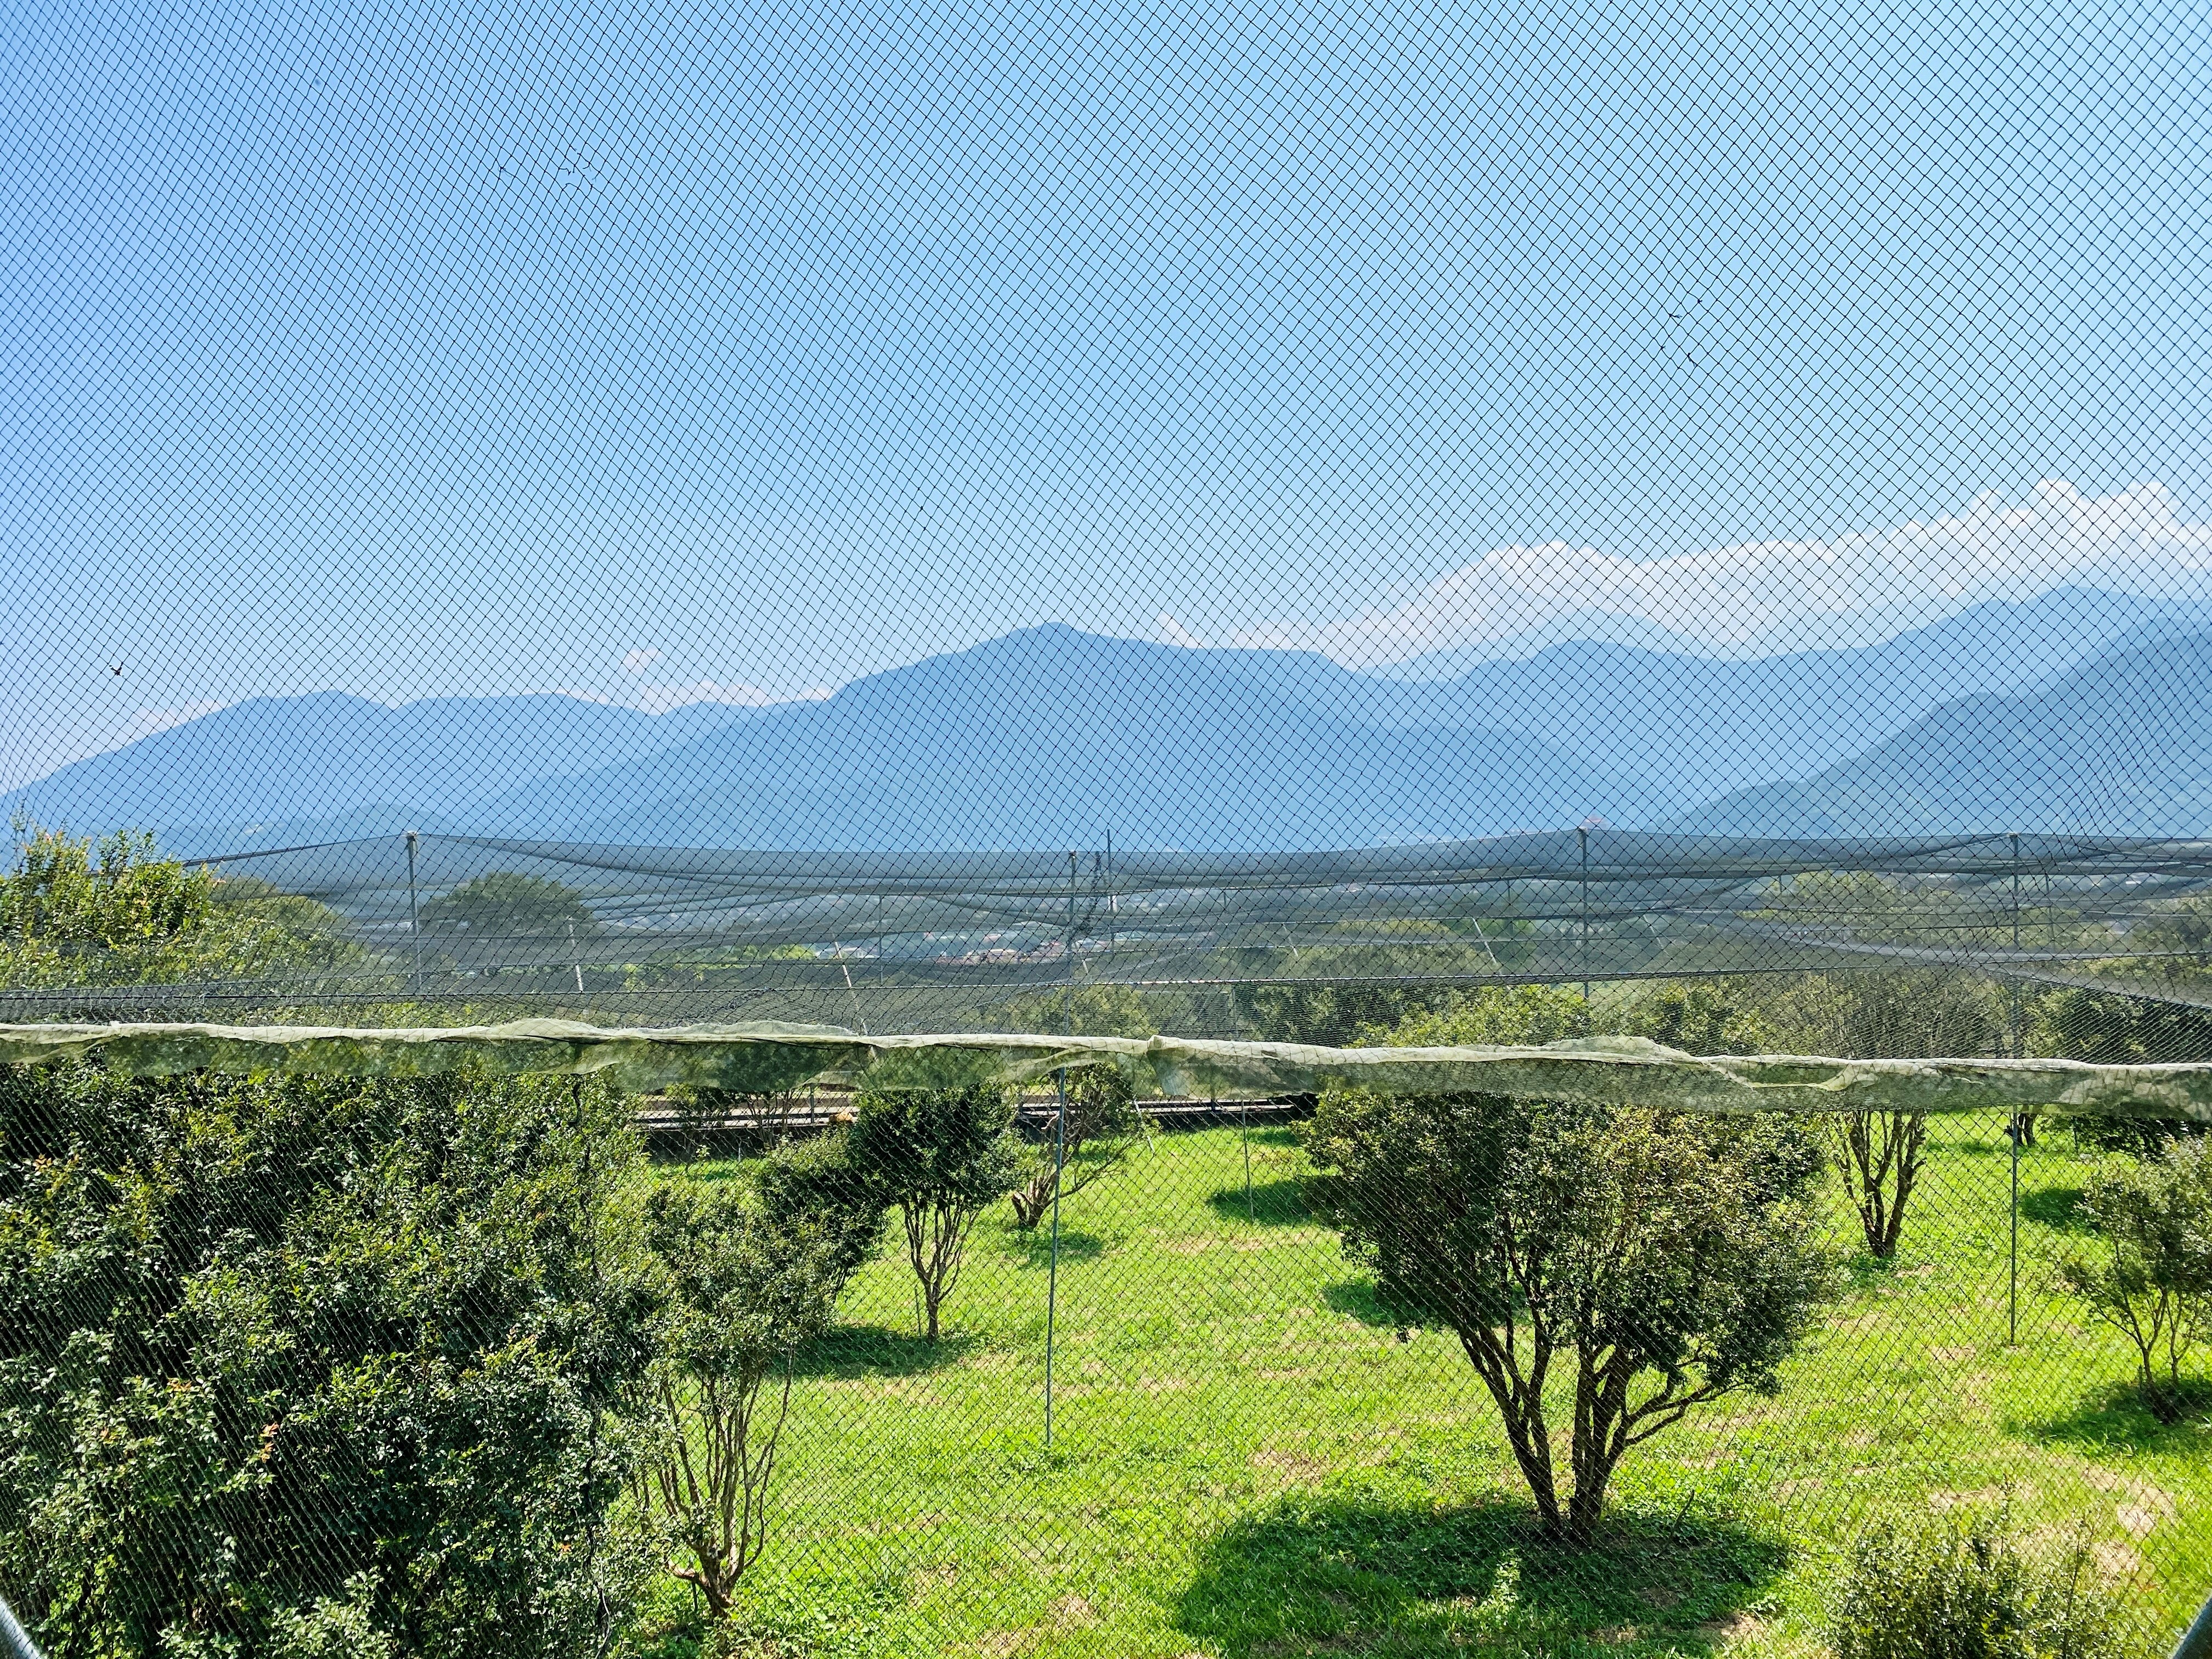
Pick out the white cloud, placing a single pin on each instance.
(1172, 632)
(636, 662)
(659, 699)
(1771, 596)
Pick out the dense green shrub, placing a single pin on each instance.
(1964, 1589)
(814, 1182)
(114, 912)
(292, 1366)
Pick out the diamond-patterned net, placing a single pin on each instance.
(1163, 830)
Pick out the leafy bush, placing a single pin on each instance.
(815, 1182)
(1496, 1014)
(1699, 1016)
(114, 912)
(2112, 1030)
(299, 1366)
(2148, 1273)
(1964, 1591)
(1669, 1260)
(934, 1138)
(750, 1287)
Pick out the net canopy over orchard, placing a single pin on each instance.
(867, 828)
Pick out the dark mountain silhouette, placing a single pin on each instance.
(1048, 737)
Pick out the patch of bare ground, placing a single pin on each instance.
(1293, 1466)
(1730, 1627)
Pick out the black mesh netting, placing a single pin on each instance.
(1156, 830)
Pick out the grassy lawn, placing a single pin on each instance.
(1249, 1461)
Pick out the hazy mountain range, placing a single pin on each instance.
(2077, 710)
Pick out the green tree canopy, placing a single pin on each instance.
(286, 1358)
(1660, 1261)
(936, 1140)
(75, 911)
(506, 904)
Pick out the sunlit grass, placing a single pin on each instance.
(1250, 1458)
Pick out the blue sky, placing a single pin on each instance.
(404, 351)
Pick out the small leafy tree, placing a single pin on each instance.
(1906, 1013)
(748, 1290)
(2150, 1276)
(935, 1140)
(1098, 1125)
(1957, 1590)
(1662, 1259)
(506, 908)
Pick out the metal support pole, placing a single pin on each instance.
(2017, 1130)
(1051, 1276)
(2012, 1287)
(1582, 842)
(1112, 914)
(2016, 1033)
(414, 917)
(2197, 1641)
(13, 1637)
(1059, 1162)
(1244, 1128)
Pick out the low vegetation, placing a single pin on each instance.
(1967, 1588)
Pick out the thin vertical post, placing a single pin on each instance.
(1582, 842)
(1059, 1161)
(414, 915)
(2012, 1287)
(1111, 916)
(2016, 1033)
(1244, 1128)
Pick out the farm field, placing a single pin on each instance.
(1249, 1461)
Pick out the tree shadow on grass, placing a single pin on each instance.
(1033, 1248)
(1357, 1299)
(1329, 1573)
(853, 1351)
(2114, 1419)
(1272, 1204)
(2055, 1207)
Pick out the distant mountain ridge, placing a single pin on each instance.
(1047, 737)
(2120, 745)
(330, 765)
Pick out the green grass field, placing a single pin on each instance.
(1247, 1461)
